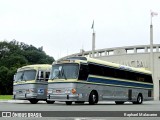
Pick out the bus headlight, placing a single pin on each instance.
(67, 91)
(14, 92)
(73, 91)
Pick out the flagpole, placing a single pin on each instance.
(93, 40)
(151, 45)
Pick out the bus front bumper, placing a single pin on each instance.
(25, 96)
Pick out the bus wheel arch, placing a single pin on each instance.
(33, 101)
(93, 97)
(79, 102)
(119, 102)
(50, 102)
(68, 102)
(139, 99)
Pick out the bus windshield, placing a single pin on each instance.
(65, 71)
(25, 75)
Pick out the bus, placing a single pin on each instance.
(30, 83)
(82, 79)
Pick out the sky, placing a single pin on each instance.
(63, 27)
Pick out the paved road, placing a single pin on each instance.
(61, 106)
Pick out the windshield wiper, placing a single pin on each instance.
(21, 77)
(63, 73)
(56, 75)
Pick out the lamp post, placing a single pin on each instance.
(151, 54)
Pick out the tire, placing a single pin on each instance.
(93, 98)
(33, 101)
(79, 102)
(139, 99)
(68, 102)
(50, 102)
(119, 102)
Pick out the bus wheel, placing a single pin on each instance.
(33, 101)
(68, 102)
(93, 98)
(50, 102)
(139, 99)
(119, 102)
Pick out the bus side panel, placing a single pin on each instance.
(144, 92)
(62, 92)
(104, 92)
(120, 93)
(113, 93)
(84, 90)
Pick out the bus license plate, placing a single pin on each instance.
(58, 91)
(20, 92)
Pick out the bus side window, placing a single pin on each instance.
(83, 72)
(47, 76)
(41, 75)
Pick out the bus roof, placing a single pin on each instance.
(115, 65)
(35, 66)
(111, 64)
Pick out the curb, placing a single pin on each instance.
(101, 102)
(18, 101)
(26, 101)
(14, 101)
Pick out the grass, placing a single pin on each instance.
(5, 97)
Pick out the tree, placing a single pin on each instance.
(16, 54)
(3, 76)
